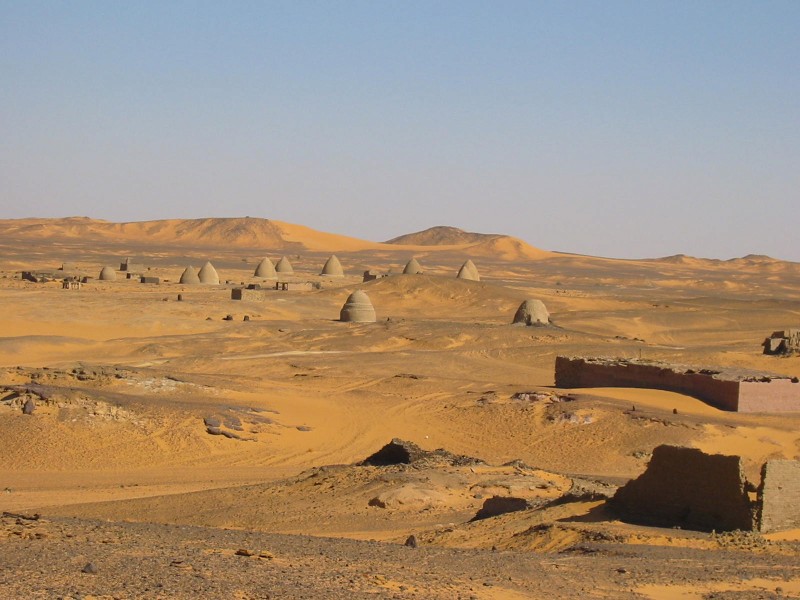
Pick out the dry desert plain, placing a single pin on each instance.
(116, 466)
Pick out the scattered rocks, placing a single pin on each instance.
(212, 422)
(90, 568)
(376, 502)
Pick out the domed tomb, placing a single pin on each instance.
(107, 274)
(333, 268)
(208, 274)
(358, 309)
(412, 268)
(189, 276)
(468, 271)
(532, 312)
(284, 266)
(265, 269)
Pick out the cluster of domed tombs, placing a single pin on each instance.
(358, 308)
(267, 270)
(333, 268)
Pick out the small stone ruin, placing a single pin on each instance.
(783, 343)
(685, 487)
(371, 275)
(128, 266)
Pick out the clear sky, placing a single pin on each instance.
(626, 129)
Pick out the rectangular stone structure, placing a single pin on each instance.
(248, 294)
(726, 389)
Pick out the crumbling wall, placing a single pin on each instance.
(584, 372)
(779, 495)
(783, 342)
(687, 488)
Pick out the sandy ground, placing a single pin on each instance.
(130, 373)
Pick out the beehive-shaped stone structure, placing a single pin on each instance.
(265, 269)
(208, 274)
(532, 312)
(468, 271)
(284, 266)
(358, 309)
(412, 268)
(332, 268)
(107, 274)
(189, 276)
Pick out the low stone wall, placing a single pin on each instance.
(780, 495)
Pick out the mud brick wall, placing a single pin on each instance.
(687, 488)
(777, 395)
(245, 294)
(580, 372)
(780, 495)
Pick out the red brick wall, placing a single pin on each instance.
(778, 395)
(578, 372)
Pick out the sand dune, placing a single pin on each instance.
(247, 232)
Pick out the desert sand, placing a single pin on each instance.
(116, 465)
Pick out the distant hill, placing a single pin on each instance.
(475, 244)
(442, 235)
(240, 232)
(248, 232)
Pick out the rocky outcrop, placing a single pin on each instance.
(401, 452)
(500, 505)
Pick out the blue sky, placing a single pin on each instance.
(627, 129)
